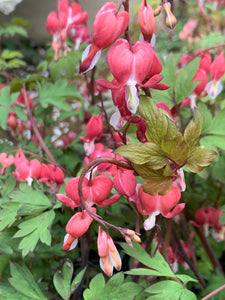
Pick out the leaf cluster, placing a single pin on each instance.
(167, 150)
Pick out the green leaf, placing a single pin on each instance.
(213, 142)
(7, 244)
(16, 63)
(22, 280)
(9, 54)
(172, 289)
(65, 66)
(77, 280)
(7, 188)
(185, 278)
(4, 111)
(95, 288)
(8, 293)
(218, 124)
(157, 263)
(33, 229)
(62, 280)
(5, 98)
(20, 111)
(207, 117)
(218, 169)
(184, 84)
(8, 214)
(209, 40)
(12, 30)
(222, 217)
(128, 291)
(169, 73)
(116, 289)
(56, 94)
(31, 201)
(112, 287)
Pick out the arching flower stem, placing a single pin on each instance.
(84, 206)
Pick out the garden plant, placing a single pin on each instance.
(112, 153)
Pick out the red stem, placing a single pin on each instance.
(83, 203)
(214, 292)
(36, 131)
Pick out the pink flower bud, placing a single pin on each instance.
(146, 20)
(109, 256)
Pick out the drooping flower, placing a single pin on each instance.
(59, 23)
(109, 256)
(95, 191)
(158, 204)
(94, 130)
(52, 175)
(76, 227)
(139, 66)
(26, 170)
(108, 27)
(6, 161)
(125, 183)
(217, 70)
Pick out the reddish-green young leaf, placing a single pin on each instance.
(159, 186)
(173, 144)
(146, 153)
(200, 158)
(155, 120)
(194, 128)
(158, 181)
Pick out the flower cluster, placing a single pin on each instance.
(28, 170)
(69, 20)
(163, 150)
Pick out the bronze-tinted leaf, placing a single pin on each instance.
(158, 186)
(146, 153)
(193, 129)
(155, 120)
(200, 158)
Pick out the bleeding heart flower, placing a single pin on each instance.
(158, 204)
(108, 27)
(134, 67)
(94, 191)
(76, 227)
(6, 160)
(217, 70)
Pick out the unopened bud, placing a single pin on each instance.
(131, 235)
(158, 10)
(171, 20)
